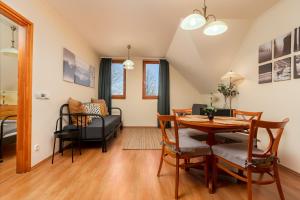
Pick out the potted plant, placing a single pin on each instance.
(210, 112)
(228, 91)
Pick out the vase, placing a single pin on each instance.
(210, 116)
(225, 106)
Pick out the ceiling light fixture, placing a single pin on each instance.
(12, 50)
(128, 64)
(199, 18)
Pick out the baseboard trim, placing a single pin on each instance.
(289, 170)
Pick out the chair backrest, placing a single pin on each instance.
(274, 131)
(245, 115)
(182, 112)
(196, 109)
(163, 120)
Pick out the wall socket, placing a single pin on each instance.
(36, 147)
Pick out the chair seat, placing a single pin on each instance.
(232, 137)
(236, 153)
(188, 145)
(68, 134)
(193, 133)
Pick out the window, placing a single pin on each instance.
(118, 80)
(150, 79)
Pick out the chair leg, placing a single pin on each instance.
(79, 145)
(206, 172)
(104, 146)
(277, 179)
(72, 144)
(177, 178)
(62, 147)
(249, 184)
(186, 161)
(53, 150)
(1, 152)
(214, 174)
(161, 160)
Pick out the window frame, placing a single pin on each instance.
(145, 62)
(124, 81)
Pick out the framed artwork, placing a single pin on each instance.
(69, 66)
(76, 70)
(297, 39)
(265, 52)
(282, 45)
(297, 66)
(265, 73)
(282, 70)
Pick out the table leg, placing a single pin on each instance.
(210, 141)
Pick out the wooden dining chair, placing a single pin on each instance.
(249, 159)
(194, 133)
(180, 147)
(241, 136)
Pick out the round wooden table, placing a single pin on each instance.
(218, 125)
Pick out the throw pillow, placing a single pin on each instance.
(92, 108)
(102, 105)
(76, 106)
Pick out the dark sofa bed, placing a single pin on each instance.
(100, 129)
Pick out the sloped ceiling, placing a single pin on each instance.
(151, 27)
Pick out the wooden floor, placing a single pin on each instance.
(125, 174)
(8, 166)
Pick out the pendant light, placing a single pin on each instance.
(128, 64)
(200, 18)
(12, 50)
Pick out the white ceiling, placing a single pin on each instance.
(151, 27)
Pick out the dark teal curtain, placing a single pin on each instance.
(163, 103)
(104, 89)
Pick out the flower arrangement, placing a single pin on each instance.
(210, 112)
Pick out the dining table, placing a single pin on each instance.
(219, 124)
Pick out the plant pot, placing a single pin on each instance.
(210, 116)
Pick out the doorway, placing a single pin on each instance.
(24, 87)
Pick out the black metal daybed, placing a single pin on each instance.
(100, 129)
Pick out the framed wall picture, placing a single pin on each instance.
(282, 45)
(282, 70)
(297, 39)
(265, 73)
(82, 73)
(69, 66)
(265, 52)
(297, 66)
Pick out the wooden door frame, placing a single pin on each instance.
(23, 149)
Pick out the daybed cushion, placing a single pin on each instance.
(193, 133)
(236, 152)
(94, 129)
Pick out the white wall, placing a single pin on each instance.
(142, 112)
(8, 64)
(278, 99)
(51, 34)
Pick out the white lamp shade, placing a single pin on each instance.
(193, 21)
(232, 76)
(128, 64)
(215, 28)
(9, 51)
